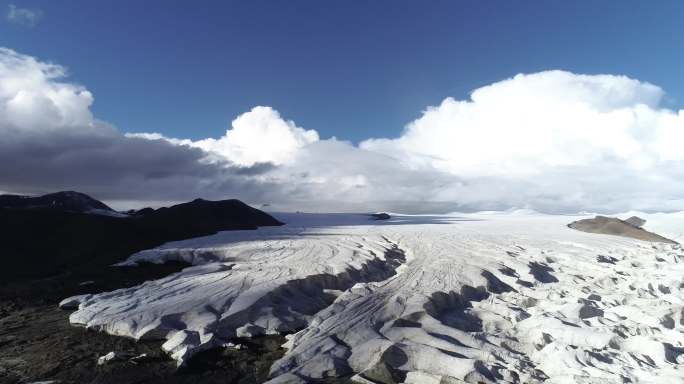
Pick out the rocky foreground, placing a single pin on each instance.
(63, 244)
(518, 298)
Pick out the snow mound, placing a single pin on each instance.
(418, 299)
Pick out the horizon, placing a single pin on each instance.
(446, 107)
(124, 207)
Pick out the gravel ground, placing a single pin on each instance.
(37, 343)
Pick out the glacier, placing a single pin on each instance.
(514, 298)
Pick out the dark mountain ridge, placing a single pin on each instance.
(53, 234)
(65, 201)
(64, 244)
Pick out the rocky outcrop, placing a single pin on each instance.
(613, 226)
(381, 216)
(636, 221)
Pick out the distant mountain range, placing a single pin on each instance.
(65, 201)
(65, 232)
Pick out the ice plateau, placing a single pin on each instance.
(511, 298)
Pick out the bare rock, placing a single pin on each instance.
(381, 216)
(636, 221)
(614, 226)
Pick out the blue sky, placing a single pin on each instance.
(351, 69)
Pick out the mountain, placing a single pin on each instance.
(64, 201)
(206, 215)
(54, 234)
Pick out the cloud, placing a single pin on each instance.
(51, 141)
(257, 136)
(28, 86)
(24, 16)
(303, 171)
(552, 141)
(530, 124)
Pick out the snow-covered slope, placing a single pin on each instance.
(419, 299)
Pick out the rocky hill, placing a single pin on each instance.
(614, 226)
(70, 201)
(54, 234)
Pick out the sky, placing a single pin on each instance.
(347, 105)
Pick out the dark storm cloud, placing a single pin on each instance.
(117, 167)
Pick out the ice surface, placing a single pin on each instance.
(515, 298)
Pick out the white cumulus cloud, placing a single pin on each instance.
(32, 97)
(534, 123)
(258, 136)
(559, 140)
